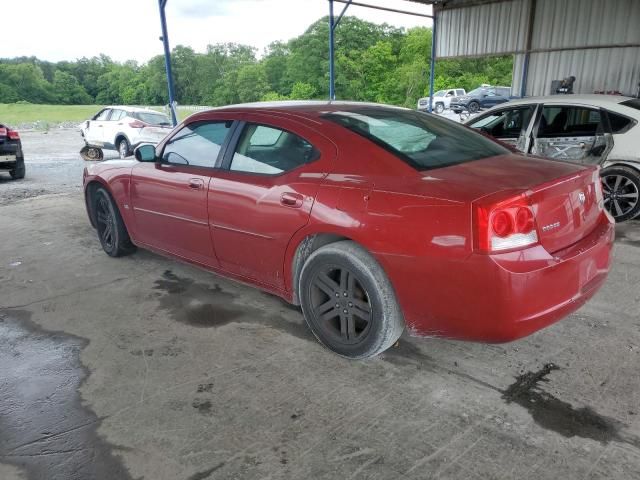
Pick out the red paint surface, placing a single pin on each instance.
(418, 225)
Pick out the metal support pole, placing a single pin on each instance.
(332, 79)
(167, 61)
(527, 53)
(434, 34)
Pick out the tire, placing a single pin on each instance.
(473, 107)
(348, 301)
(621, 188)
(112, 232)
(124, 150)
(19, 171)
(439, 107)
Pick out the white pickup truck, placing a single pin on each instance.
(441, 99)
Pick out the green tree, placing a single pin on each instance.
(68, 89)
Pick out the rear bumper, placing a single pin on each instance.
(499, 298)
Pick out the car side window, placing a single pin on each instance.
(561, 121)
(103, 115)
(507, 123)
(619, 123)
(270, 151)
(197, 144)
(116, 115)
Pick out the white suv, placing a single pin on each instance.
(123, 128)
(441, 99)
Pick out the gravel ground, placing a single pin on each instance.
(53, 165)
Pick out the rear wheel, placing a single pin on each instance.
(348, 301)
(621, 188)
(111, 229)
(473, 107)
(19, 170)
(123, 148)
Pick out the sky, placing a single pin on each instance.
(57, 30)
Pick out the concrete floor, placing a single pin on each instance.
(143, 367)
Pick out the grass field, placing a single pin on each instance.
(19, 113)
(16, 114)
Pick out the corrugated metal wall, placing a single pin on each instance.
(585, 23)
(571, 25)
(495, 28)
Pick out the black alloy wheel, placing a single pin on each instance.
(348, 301)
(621, 189)
(341, 306)
(112, 232)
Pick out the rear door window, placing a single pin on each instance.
(270, 151)
(565, 121)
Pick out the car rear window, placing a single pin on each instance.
(151, 118)
(422, 141)
(633, 103)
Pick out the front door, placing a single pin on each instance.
(264, 194)
(510, 125)
(169, 198)
(94, 134)
(571, 133)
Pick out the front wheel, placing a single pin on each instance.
(439, 108)
(621, 188)
(348, 301)
(473, 107)
(111, 229)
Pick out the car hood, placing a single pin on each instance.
(473, 180)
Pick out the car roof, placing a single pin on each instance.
(593, 99)
(610, 102)
(128, 108)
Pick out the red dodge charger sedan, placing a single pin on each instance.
(371, 218)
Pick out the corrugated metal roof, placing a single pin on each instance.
(585, 23)
(493, 28)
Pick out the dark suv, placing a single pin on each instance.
(482, 97)
(11, 157)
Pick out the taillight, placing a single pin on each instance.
(137, 124)
(504, 224)
(3, 132)
(13, 135)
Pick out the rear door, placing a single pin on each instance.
(572, 133)
(264, 194)
(170, 197)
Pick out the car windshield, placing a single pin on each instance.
(152, 118)
(477, 91)
(422, 141)
(439, 93)
(633, 103)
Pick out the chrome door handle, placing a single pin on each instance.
(289, 199)
(196, 184)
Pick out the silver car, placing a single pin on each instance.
(589, 129)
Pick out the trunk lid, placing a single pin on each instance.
(568, 209)
(566, 198)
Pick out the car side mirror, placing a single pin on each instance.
(145, 153)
